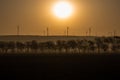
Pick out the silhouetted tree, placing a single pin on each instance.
(11, 46)
(34, 46)
(99, 44)
(49, 45)
(85, 46)
(72, 44)
(60, 45)
(104, 46)
(20, 46)
(28, 46)
(2, 46)
(92, 46)
(79, 45)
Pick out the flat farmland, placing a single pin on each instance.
(59, 66)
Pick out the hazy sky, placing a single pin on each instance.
(33, 16)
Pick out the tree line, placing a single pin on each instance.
(98, 45)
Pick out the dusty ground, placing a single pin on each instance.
(59, 67)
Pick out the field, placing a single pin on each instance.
(24, 38)
(59, 66)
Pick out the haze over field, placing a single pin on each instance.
(33, 16)
(44, 38)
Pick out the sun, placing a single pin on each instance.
(62, 9)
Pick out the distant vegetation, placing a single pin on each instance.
(98, 45)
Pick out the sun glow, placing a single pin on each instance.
(62, 9)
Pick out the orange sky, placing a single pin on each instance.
(33, 16)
